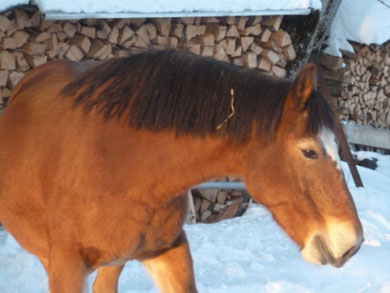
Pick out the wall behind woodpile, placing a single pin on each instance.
(27, 41)
(362, 87)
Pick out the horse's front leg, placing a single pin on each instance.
(67, 270)
(107, 279)
(172, 270)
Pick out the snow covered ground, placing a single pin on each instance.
(252, 254)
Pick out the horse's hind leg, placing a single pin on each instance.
(107, 279)
(172, 270)
(67, 271)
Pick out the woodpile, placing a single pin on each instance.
(214, 205)
(27, 41)
(362, 87)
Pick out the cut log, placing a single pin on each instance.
(163, 26)
(178, 30)
(255, 49)
(21, 63)
(34, 49)
(22, 19)
(14, 78)
(231, 20)
(9, 43)
(194, 30)
(6, 92)
(281, 38)
(143, 34)
(83, 43)
(271, 56)
(227, 212)
(88, 31)
(11, 28)
(21, 38)
(231, 46)
(4, 23)
(278, 71)
(205, 205)
(36, 19)
(273, 23)
(250, 60)
(162, 41)
(39, 38)
(246, 42)
(7, 60)
(35, 61)
(62, 49)
(97, 49)
(264, 65)
(242, 22)
(70, 29)
(220, 53)
(232, 32)
(113, 35)
(195, 48)
(152, 31)
(128, 43)
(208, 40)
(238, 52)
(3, 77)
(209, 194)
(219, 32)
(207, 52)
(265, 36)
(289, 52)
(187, 20)
(55, 28)
(255, 20)
(251, 30)
(125, 34)
(238, 61)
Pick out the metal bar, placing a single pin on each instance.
(220, 185)
(64, 15)
(338, 128)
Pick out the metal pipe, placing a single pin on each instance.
(220, 185)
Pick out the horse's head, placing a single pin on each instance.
(298, 177)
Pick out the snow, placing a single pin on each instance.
(252, 253)
(7, 4)
(164, 6)
(365, 21)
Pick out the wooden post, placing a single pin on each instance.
(338, 128)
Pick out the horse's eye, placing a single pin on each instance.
(311, 154)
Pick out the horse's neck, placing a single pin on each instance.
(171, 165)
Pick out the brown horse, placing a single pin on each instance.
(93, 157)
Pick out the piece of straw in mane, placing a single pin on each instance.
(189, 94)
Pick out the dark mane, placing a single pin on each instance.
(161, 90)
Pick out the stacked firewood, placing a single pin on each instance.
(27, 41)
(214, 205)
(362, 86)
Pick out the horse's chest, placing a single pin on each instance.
(139, 237)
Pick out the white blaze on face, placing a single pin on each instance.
(328, 139)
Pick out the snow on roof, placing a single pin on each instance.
(171, 8)
(366, 21)
(7, 4)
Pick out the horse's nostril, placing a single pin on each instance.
(349, 252)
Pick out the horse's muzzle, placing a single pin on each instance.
(326, 255)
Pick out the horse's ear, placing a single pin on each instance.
(304, 84)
